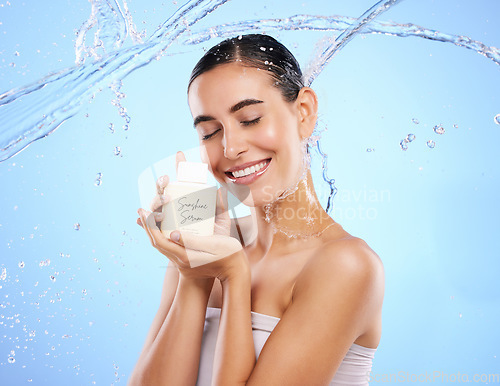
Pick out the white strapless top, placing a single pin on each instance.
(353, 370)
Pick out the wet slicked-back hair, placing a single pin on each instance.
(257, 51)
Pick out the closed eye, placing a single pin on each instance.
(252, 122)
(208, 136)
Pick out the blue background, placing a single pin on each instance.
(431, 214)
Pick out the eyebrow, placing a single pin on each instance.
(233, 109)
(244, 103)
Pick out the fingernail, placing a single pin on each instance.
(175, 236)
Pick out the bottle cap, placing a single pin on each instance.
(192, 172)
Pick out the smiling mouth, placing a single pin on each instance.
(254, 170)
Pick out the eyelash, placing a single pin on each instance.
(252, 122)
(208, 136)
(244, 123)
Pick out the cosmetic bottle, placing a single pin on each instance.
(192, 201)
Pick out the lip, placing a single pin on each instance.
(247, 165)
(250, 178)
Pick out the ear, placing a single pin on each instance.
(307, 105)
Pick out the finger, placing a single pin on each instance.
(173, 251)
(202, 250)
(144, 215)
(159, 216)
(158, 201)
(179, 157)
(216, 244)
(161, 183)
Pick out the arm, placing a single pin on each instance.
(336, 297)
(234, 357)
(172, 349)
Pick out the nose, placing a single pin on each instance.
(234, 143)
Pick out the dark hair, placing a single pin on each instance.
(258, 51)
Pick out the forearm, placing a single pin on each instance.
(235, 353)
(173, 356)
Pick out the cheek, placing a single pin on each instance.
(211, 154)
(282, 137)
(273, 136)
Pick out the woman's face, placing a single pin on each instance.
(250, 134)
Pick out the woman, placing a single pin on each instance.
(288, 296)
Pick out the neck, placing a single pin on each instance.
(297, 215)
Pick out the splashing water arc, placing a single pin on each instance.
(30, 112)
(408, 127)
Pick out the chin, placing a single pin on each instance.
(262, 197)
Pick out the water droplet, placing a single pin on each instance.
(3, 275)
(410, 137)
(415, 121)
(266, 62)
(125, 127)
(404, 144)
(497, 119)
(53, 278)
(21, 264)
(262, 48)
(11, 359)
(12, 64)
(76, 226)
(98, 179)
(455, 126)
(240, 37)
(431, 144)
(370, 149)
(111, 127)
(32, 333)
(84, 291)
(439, 129)
(460, 315)
(117, 150)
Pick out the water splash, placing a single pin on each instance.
(34, 111)
(329, 181)
(333, 47)
(341, 23)
(111, 31)
(31, 112)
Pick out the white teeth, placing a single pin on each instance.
(249, 170)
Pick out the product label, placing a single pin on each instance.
(192, 211)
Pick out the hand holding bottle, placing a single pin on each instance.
(187, 249)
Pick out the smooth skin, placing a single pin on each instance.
(327, 289)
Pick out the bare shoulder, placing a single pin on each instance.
(343, 264)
